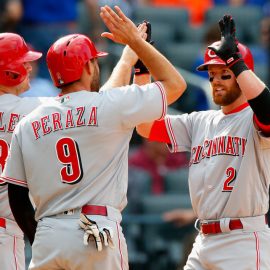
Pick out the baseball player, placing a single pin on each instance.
(15, 68)
(229, 164)
(72, 154)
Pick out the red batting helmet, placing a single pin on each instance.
(68, 55)
(210, 58)
(13, 54)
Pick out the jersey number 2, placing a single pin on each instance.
(3, 156)
(231, 175)
(68, 153)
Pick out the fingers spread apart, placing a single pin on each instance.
(101, 236)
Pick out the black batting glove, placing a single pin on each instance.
(227, 49)
(139, 67)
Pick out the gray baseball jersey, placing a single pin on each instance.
(79, 143)
(12, 110)
(229, 178)
(229, 171)
(74, 152)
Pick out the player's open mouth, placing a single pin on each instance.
(219, 91)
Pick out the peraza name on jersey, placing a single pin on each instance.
(11, 122)
(72, 118)
(224, 145)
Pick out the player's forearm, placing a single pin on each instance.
(250, 84)
(258, 96)
(121, 73)
(120, 76)
(22, 210)
(124, 31)
(144, 129)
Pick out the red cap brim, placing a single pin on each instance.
(31, 56)
(215, 61)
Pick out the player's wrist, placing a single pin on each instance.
(139, 72)
(238, 66)
(140, 68)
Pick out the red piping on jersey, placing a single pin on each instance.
(258, 261)
(239, 108)
(13, 180)
(119, 244)
(14, 252)
(174, 143)
(164, 100)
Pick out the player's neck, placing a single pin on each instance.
(73, 87)
(7, 90)
(231, 107)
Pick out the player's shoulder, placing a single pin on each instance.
(38, 100)
(20, 105)
(33, 102)
(131, 88)
(8, 98)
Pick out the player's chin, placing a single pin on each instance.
(220, 100)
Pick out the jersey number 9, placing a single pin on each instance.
(68, 153)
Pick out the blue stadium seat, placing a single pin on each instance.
(175, 18)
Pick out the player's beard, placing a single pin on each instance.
(95, 84)
(229, 96)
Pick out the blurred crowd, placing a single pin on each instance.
(192, 25)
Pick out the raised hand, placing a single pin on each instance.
(128, 53)
(227, 48)
(139, 67)
(122, 29)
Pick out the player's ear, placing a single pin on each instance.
(88, 67)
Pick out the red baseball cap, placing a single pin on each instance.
(210, 58)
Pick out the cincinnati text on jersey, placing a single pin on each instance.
(77, 117)
(224, 145)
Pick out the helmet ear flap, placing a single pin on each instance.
(9, 77)
(14, 52)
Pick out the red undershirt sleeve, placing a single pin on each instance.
(265, 129)
(159, 132)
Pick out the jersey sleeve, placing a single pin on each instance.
(14, 172)
(139, 104)
(179, 128)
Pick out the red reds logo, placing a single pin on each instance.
(211, 54)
